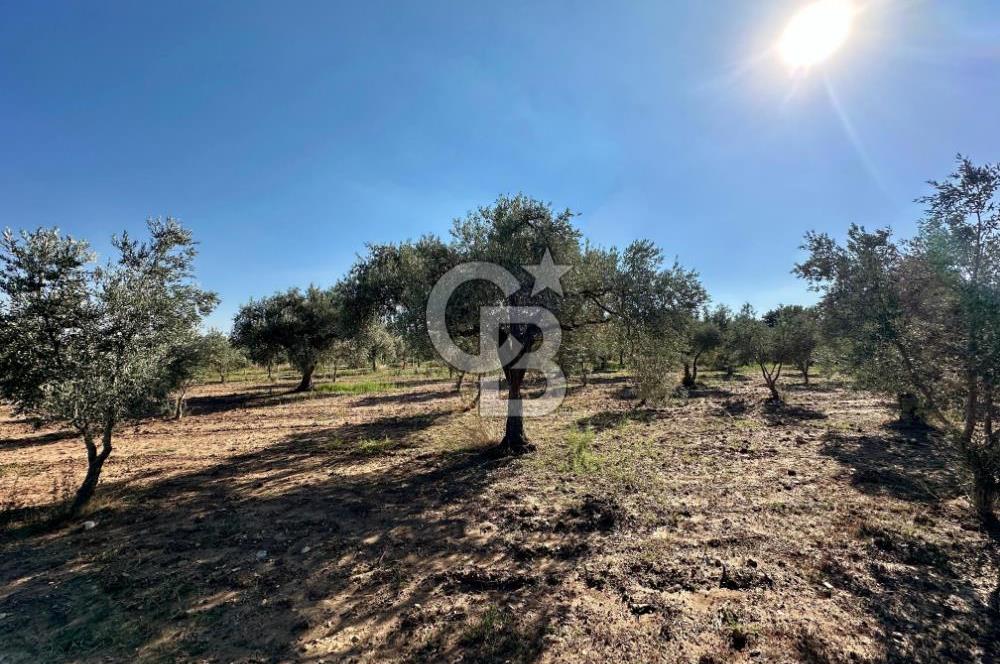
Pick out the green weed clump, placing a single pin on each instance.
(580, 456)
(375, 445)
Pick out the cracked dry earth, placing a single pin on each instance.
(373, 528)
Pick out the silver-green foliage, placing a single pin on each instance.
(91, 346)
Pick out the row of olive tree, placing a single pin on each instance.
(786, 336)
(301, 327)
(610, 302)
(312, 327)
(96, 346)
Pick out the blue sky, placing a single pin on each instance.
(287, 135)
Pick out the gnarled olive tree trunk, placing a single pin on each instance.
(514, 439)
(95, 463)
(771, 377)
(691, 372)
(689, 379)
(306, 383)
(909, 409)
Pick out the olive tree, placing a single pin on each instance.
(375, 342)
(253, 335)
(514, 232)
(586, 351)
(764, 342)
(90, 345)
(304, 325)
(221, 356)
(922, 318)
(800, 335)
(703, 336)
(725, 356)
(187, 361)
(341, 352)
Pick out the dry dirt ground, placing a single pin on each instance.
(373, 528)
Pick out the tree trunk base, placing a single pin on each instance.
(508, 448)
(909, 411)
(984, 497)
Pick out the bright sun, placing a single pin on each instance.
(816, 32)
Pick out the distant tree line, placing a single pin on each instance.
(97, 346)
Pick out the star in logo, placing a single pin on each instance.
(547, 274)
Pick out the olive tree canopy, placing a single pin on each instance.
(302, 326)
(922, 317)
(601, 286)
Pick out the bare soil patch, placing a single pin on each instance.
(373, 528)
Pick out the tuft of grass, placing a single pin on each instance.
(580, 457)
(740, 635)
(364, 387)
(375, 445)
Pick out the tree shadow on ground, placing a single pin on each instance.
(36, 440)
(778, 413)
(406, 397)
(702, 391)
(604, 379)
(912, 465)
(920, 593)
(736, 407)
(625, 393)
(312, 545)
(815, 387)
(915, 581)
(250, 398)
(276, 394)
(610, 419)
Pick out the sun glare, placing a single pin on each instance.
(816, 32)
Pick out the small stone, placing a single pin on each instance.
(642, 609)
(306, 549)
(89, 525)
(261, 555)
